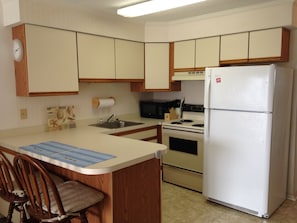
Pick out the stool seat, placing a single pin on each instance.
(50, 202)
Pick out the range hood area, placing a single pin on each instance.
(189, 76)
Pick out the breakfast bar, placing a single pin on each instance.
(126, 170)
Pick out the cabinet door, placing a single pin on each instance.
(265, 43)
(234, 47)
(157, 65)
(96, 57)
(129, 59)
(51, 59)
(208, 52)
(184, 54)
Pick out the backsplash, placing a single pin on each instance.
(193, 91)
(60, 117)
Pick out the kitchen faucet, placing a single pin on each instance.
(110, 117)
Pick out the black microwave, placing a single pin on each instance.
(155, 108)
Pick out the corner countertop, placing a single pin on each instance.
(127, 151)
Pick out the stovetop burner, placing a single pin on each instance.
(198, 125)
(186, 120)
(176, 123)
(191, 121)
(181, 121)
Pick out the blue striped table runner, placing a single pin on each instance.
(66, 153)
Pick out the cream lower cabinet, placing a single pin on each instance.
(96, 57)
(129, 60)
(49, 64)
(234, 48)
(157, 66)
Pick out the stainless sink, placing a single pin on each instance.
(115, 124)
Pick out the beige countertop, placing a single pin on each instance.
(127, 151)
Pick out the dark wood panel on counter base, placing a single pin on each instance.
(132, 194)
(137, 194)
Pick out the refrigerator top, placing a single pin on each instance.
(242, 88)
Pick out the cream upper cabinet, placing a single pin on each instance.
(157, 66)
(129, 56)
(207, 52)
(49, 65)
(266, 43)
(184, 54)
(96, 57)
(234, 47)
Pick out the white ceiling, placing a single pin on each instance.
(108, 8)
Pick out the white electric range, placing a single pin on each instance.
(183, 163)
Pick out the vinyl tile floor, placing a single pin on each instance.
(180, 205)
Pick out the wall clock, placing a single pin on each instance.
(17, 50)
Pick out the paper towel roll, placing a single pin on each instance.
(103, 102)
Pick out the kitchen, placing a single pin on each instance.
(153, 32)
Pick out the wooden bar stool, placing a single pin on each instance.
(10, 189)
(49, 202)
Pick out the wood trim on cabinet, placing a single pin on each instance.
(134, 131)
(285, 44)
(36, 94)
(140, 87)
(237, 61)
(89, 80)
(171, 61)
(159, 133)
(21, 71)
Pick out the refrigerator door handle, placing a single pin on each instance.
(206, 122)
(207, 89)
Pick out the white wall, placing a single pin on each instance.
(39, 12)
(275, 14)
(193, 91)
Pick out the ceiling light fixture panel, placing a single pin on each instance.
(153, 6)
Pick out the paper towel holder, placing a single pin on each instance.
(108, 101)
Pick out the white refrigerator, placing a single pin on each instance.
(247, 128)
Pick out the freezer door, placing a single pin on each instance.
(248, 88)
(236, 159)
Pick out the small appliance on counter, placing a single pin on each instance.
(156, 108)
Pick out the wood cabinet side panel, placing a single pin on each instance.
(21, 71)
(285, 45)
(137, 193)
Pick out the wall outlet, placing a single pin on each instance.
(23, 113)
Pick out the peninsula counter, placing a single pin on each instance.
(131, 179)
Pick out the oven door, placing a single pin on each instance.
(185, 149)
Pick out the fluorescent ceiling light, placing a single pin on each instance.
(153, 6)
